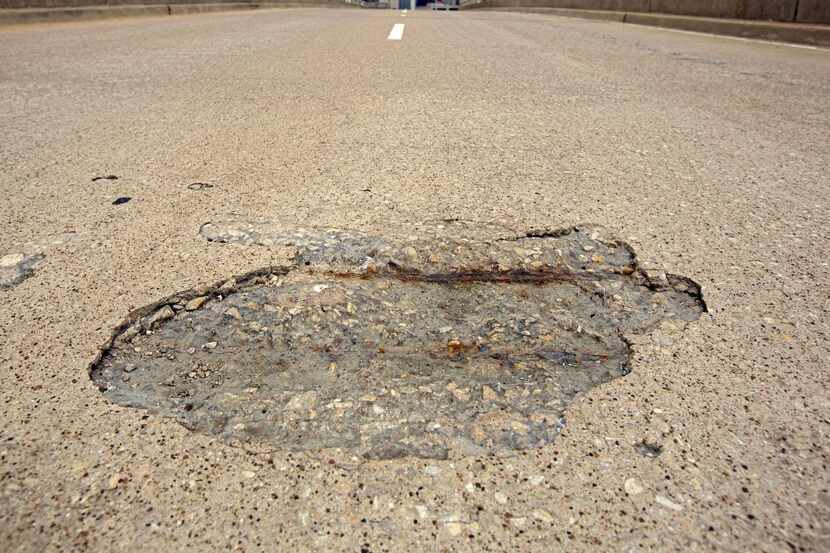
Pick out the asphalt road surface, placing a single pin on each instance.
(708, 155)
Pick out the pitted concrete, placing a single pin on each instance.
(708, 156)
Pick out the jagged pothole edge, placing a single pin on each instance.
(260, 276)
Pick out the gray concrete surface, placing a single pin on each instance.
(45, 4)
(17, 16)
(708, 155)
(14, 17)
(796, 33)
(805, 11)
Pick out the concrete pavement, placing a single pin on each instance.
(797, 33)
(708, 155)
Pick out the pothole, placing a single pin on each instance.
(459, 339)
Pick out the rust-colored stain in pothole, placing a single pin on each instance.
(455, 339)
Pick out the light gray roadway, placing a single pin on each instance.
(710, 155)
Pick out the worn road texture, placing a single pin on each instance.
(707, 155)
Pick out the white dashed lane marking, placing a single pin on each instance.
(397, 32)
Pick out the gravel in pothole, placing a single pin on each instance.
(459, 339)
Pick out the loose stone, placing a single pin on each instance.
(488, 393)
(303, 401)
(542, 515)
(536, 479)
(195, 303)
(163, 314)
(432, 470)
(632, 487)
(668, 503)
(233, 313)
(410, 254)
(114, 480)
(454, 528)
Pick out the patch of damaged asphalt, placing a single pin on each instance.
(452, 341)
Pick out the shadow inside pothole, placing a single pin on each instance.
(459, 339)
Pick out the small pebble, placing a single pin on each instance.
(488, 393)
(632, 487)
(454, 528)
(544, 516)
(195, 303)
(536, 479)
(668, 503)
(518, 522)
(113, 481)
(410, 254)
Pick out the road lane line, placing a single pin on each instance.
(397, 32)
